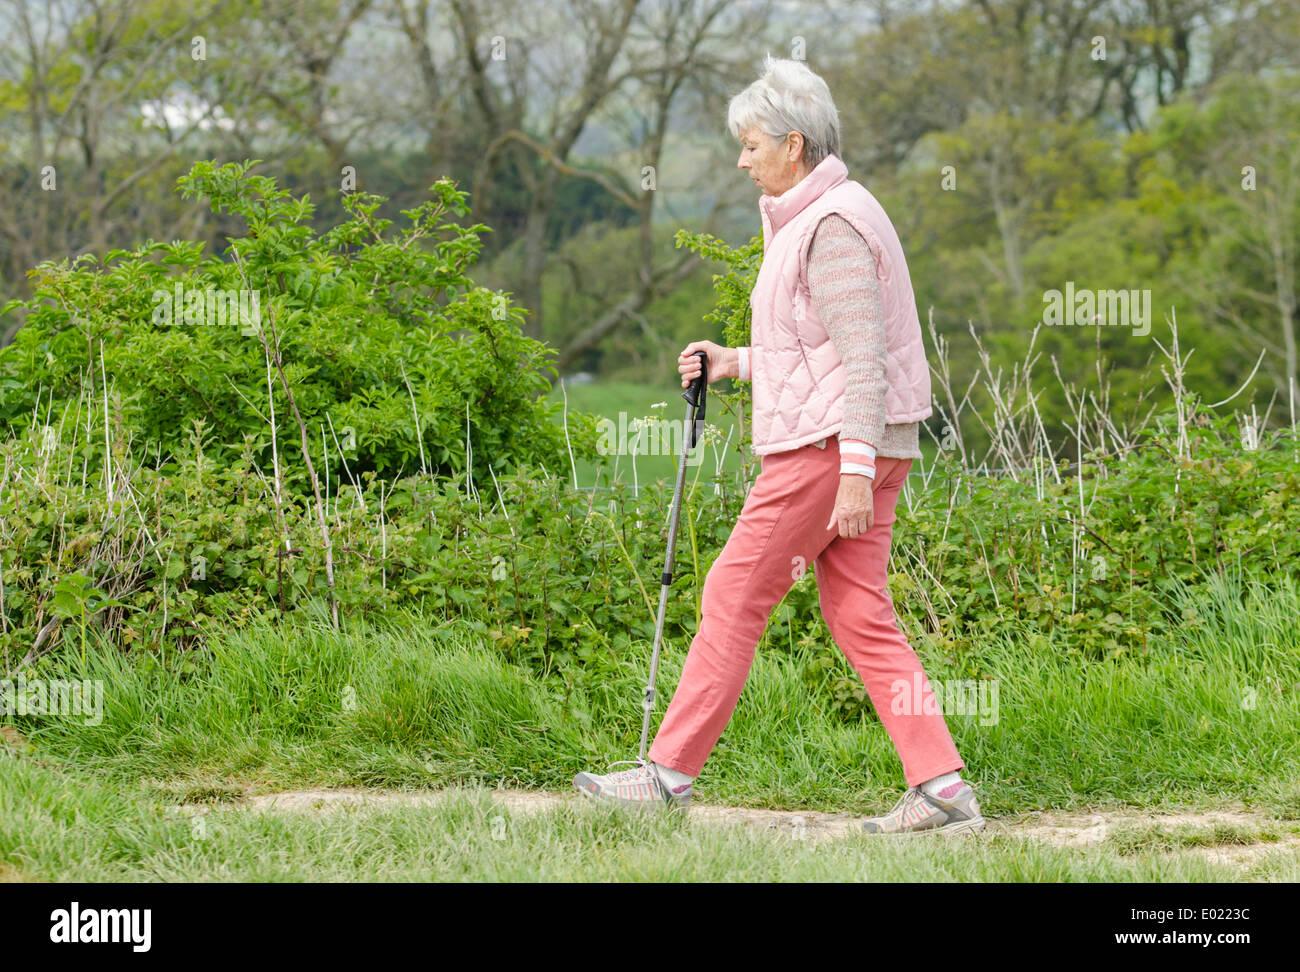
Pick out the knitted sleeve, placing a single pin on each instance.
(846, 294)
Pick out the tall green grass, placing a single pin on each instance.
(1208, 716)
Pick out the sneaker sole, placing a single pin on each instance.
(962, 827)
(972, 826)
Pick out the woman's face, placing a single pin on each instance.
(772, 162)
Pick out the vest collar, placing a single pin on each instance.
(776, 211)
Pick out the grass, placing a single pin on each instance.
(1206, 719)
(57, 828)
(650, 456)
(417, 704)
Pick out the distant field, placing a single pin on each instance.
(624, 401)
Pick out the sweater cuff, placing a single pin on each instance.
(743, 364)
(857, 458)
(856, 447)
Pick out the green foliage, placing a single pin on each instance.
(561, 581)
(1101, 577)
(552, 580)
(732, 287)
(372, 327)
(146, 510)
(731, 311)
(1035, 199)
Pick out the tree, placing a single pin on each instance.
(93, 116)
(1242, 146)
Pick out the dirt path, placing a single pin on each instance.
(1230, 836)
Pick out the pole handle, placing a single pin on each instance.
(696, 391)
(697, 397)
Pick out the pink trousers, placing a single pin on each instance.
(781, 531)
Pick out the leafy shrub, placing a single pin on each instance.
(372, 328)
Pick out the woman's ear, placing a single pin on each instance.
(796, 141)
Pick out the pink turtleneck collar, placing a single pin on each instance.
(776, 211)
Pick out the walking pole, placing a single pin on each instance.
(696, 399)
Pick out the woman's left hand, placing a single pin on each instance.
(855, 508)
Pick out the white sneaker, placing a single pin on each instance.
(637, 787)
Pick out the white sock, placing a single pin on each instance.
(671, 777)
(940, 783)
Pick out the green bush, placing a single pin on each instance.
(564, 582)
(552, 578)
(371, 328)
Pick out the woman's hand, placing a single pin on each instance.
(723, 362)
(855, 507)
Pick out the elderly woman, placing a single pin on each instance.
(840, 382)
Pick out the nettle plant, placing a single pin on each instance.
(370, 342)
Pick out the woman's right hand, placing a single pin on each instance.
(723, 362)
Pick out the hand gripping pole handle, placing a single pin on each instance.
(697, 396)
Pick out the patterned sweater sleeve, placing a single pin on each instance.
(846, 294)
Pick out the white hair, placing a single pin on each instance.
(789, 97)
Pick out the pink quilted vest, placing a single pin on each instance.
(797, 375)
